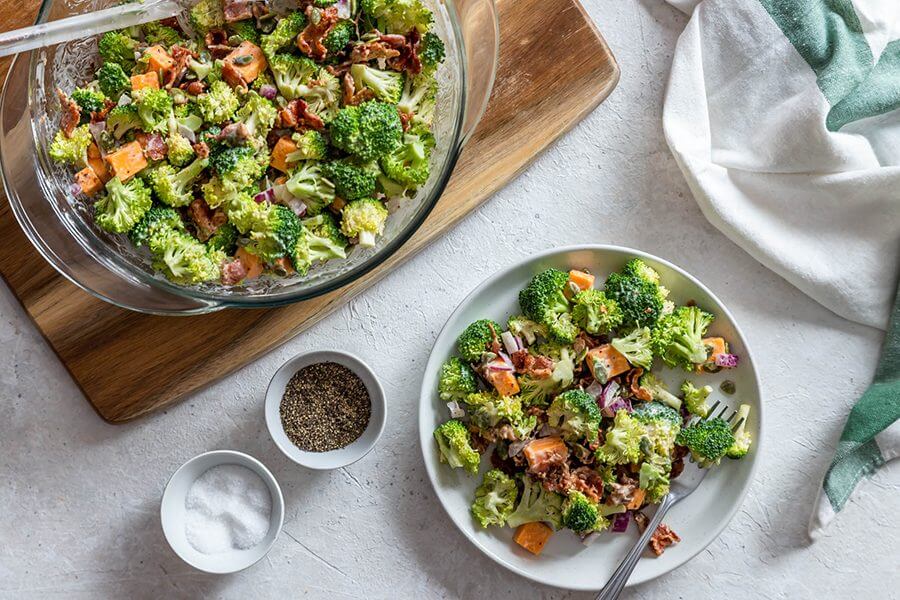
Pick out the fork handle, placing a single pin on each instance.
(619, 578)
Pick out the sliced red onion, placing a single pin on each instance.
(520, 343)
(620, 522)
(282, 195)
(619, 403)
(265, 196)
(726, 361)
(343, 9)
(74, 189)
(609, 392)
(187, 133)
(456, 411)
(505, 358)
(595, 390)
(124, 100)
(296, 205)
(509, 342)
(268, 91)
(496, 365)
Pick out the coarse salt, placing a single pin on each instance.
(227, 508)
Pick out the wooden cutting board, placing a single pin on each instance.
(554, 69)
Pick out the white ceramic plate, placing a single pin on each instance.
(565, 562)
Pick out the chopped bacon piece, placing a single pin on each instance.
(366, 51)
(173, 23)
(234, 134)
(217, 43)
(153, 145)
(405, 118)
(407, 48)
(633, 380)
(237, 10)
(296, 115)
(662, 538)
(587, 481)
(539, 367)
(496, 348)
(351, 96)
(201, 149)
(108, 105)
(71, 114)
(321, 21)
(194, 88)
(206, 219)
(622, 493)
(181, 57)
(233, 272)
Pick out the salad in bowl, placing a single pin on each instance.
(568, 404)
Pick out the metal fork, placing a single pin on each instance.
(681, 488)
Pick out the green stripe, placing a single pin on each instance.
(848, 468)
(877, 94)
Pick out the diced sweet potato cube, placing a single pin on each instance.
(584, 281)
(717, 345)
(243, 64)
(283, 147)
(88, 181)
(147, 80)
(251, 262)
(543, 450)
(533, 536)
(503, 381)
(158, 60)
(606, 362)
(637, 499)
(127, 161)
(95, 160)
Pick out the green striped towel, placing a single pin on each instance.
(871, 436)
(784, 116)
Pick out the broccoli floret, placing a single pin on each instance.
(72, 150)
(488, 409)
(655, 479)
(184, 260)
(203, 69)
(678, 337)
(576, 414)
(339, 36)
(117, 47)
(623, 441)
(122, 206)
(535, 391)
(206, 15)
(291, 73)
(544, 301)
(224, 238)
(695, 399)
(238, 167)
(181, 152)
(323, 94)
(455, 446)
(219, 103)
(386, 85)
(155, 222)
(457, 380)
(581, 515)
(638, 268)
(595, 313)
(708, 440)
(661, 426)
(113, 80)
(431, 52)
(300, 257)
(364, 219)
(287, 29)
(157, 33)
(309, 184)
(408, 164)
(311, 145)
(257, 114)
(351, 182)
(536, 504)
(650, 412)
(154, 107)
(246, 30)
(174, 187)
(640, 299)
(398, 16)
(325, 238)
(635, 347)
(276, 236)
(523, 327)
(659, 392)
(239, 206)
(368, 132)
(122, 119)
(475, 339)
(742, 437)
(418, 92)
(88, 101)
(495, 498)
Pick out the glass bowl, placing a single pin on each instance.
(108, 266)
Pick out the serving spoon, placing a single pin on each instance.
(92, 23)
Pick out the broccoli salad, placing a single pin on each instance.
(238, 142)
(580, 432)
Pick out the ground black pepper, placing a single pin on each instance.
(325, 406)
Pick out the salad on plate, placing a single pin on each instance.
(568, 402)
(240, 142)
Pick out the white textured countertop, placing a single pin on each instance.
(79, 499)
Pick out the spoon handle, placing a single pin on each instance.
(80, 26)
(619, 578)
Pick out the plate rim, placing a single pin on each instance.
(427, 389)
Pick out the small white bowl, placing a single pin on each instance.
(172, 513)
(333, 459)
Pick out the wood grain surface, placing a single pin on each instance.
(554, 69)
